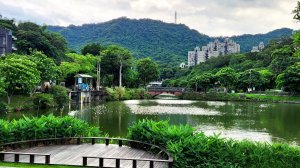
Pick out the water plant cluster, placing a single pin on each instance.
(195, 150)
(44, 127)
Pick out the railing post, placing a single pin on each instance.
(17, 157)
(120, 142)
(101, 162)
(1, 156)
(93, 141)
(106, 142)
(47, 159)
(78, 141)
(170, 164)
(31, 158)
(117, 163)
(151, 164)
(133, 163)
(84, 161)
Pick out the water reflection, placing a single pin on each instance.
(239, 120)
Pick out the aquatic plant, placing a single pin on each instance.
(195, 150)
(44, 127)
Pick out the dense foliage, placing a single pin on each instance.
(246, 72)
(193, 150)
(121, 93)
(147, 71)
(166, 43)
(44, 127)
(19, 73)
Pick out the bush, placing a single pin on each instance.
(197, 150)
(3, 107)
(60, 95)
(121, 93)
(44, 127)
(43, 100)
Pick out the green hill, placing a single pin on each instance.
(167, 43)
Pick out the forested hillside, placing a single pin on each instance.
(166, 43)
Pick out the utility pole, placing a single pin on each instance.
(98, 76)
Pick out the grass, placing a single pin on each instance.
(27, 165)
(278, 98)
(240, 97)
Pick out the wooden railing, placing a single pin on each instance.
(93, 140)
(117, 159)
(31, 156)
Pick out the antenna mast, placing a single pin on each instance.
(175, 17)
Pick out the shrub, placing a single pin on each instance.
(158, 132)
(3, 108)
(197, 150)
(44, 127)
(121, 93)
(60, 95)
(43, 100)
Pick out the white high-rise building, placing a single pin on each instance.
(258, 48)
(212, 49)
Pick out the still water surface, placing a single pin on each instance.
(270, 122)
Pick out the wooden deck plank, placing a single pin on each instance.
(72, 155)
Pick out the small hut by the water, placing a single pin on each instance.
(83, 82)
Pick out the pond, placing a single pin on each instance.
(257, 121)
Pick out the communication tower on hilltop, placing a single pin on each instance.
(175, 17)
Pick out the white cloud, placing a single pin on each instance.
(212, 17)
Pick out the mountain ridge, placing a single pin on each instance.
(167, 43)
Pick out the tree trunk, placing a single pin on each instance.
(120, 74)
(9, 98)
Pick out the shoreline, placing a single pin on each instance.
(244, 97)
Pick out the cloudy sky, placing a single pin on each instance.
(211, 17)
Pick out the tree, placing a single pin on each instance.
(147, 70)
(204, 81)
(77, 64)
(47, 67)
(34, 37)
(93, 49)
(19, 73)
(114, 61)
(289, 80)
(282, 58)
(296, 11)
(250, 79)
(227, 77)
(267, 79)
(2, 86)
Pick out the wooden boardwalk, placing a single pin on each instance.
(72, 155)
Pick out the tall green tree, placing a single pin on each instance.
(34, 37)
(94, 49)
(47, 67)
(250, 79)
(147, 70)
(296, 11)
(114, 61)
(227, 77)
(266, 78)
(289, 80)
(282, 58)
(204, 81)
(20, 74)
(77, 64)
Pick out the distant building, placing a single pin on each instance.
(258, 48)
(182, 65)
(212, 49)
(6, 41)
